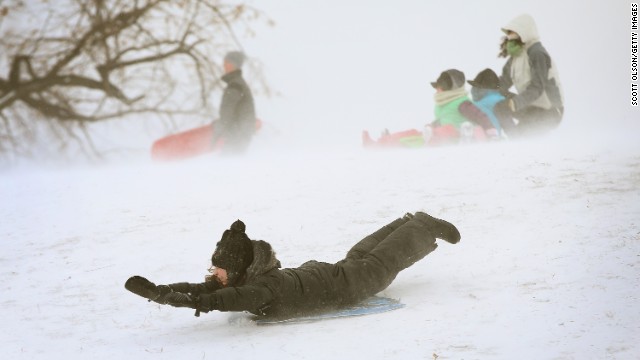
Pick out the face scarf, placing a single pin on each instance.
(514, 47)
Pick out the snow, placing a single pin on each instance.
(548, 265)
(549, 262)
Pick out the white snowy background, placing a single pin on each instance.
(549, 262)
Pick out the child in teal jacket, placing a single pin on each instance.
(485, 92)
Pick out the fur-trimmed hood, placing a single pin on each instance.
(264, 260)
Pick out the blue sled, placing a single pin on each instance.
(372, 305)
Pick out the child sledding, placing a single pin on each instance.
(459, 118)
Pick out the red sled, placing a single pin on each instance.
(433, 136)
(188, 144)
(411, 138)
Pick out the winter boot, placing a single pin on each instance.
(440, 228)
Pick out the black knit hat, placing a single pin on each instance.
(486, 79)
(234, 252)
(449, 80)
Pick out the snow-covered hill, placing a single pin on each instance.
(549, 262)
(548, 266)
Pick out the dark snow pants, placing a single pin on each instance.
(535, 121)
(374, 262)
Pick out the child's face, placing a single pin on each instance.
(220, 275)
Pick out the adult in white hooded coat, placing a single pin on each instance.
(538, 104)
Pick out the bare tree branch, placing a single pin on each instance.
(98, 60)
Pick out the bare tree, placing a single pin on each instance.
(82, 61)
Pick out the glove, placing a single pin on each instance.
(178, 299)
(203, 303)
(163, 290)
(182, 287)
(143, 287)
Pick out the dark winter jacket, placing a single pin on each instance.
(270, 291)
(237, 121)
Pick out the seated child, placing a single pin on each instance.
(454, 108)
(485, 92)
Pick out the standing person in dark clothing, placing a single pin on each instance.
(538, 105)
(237, 121)
(246, 275)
